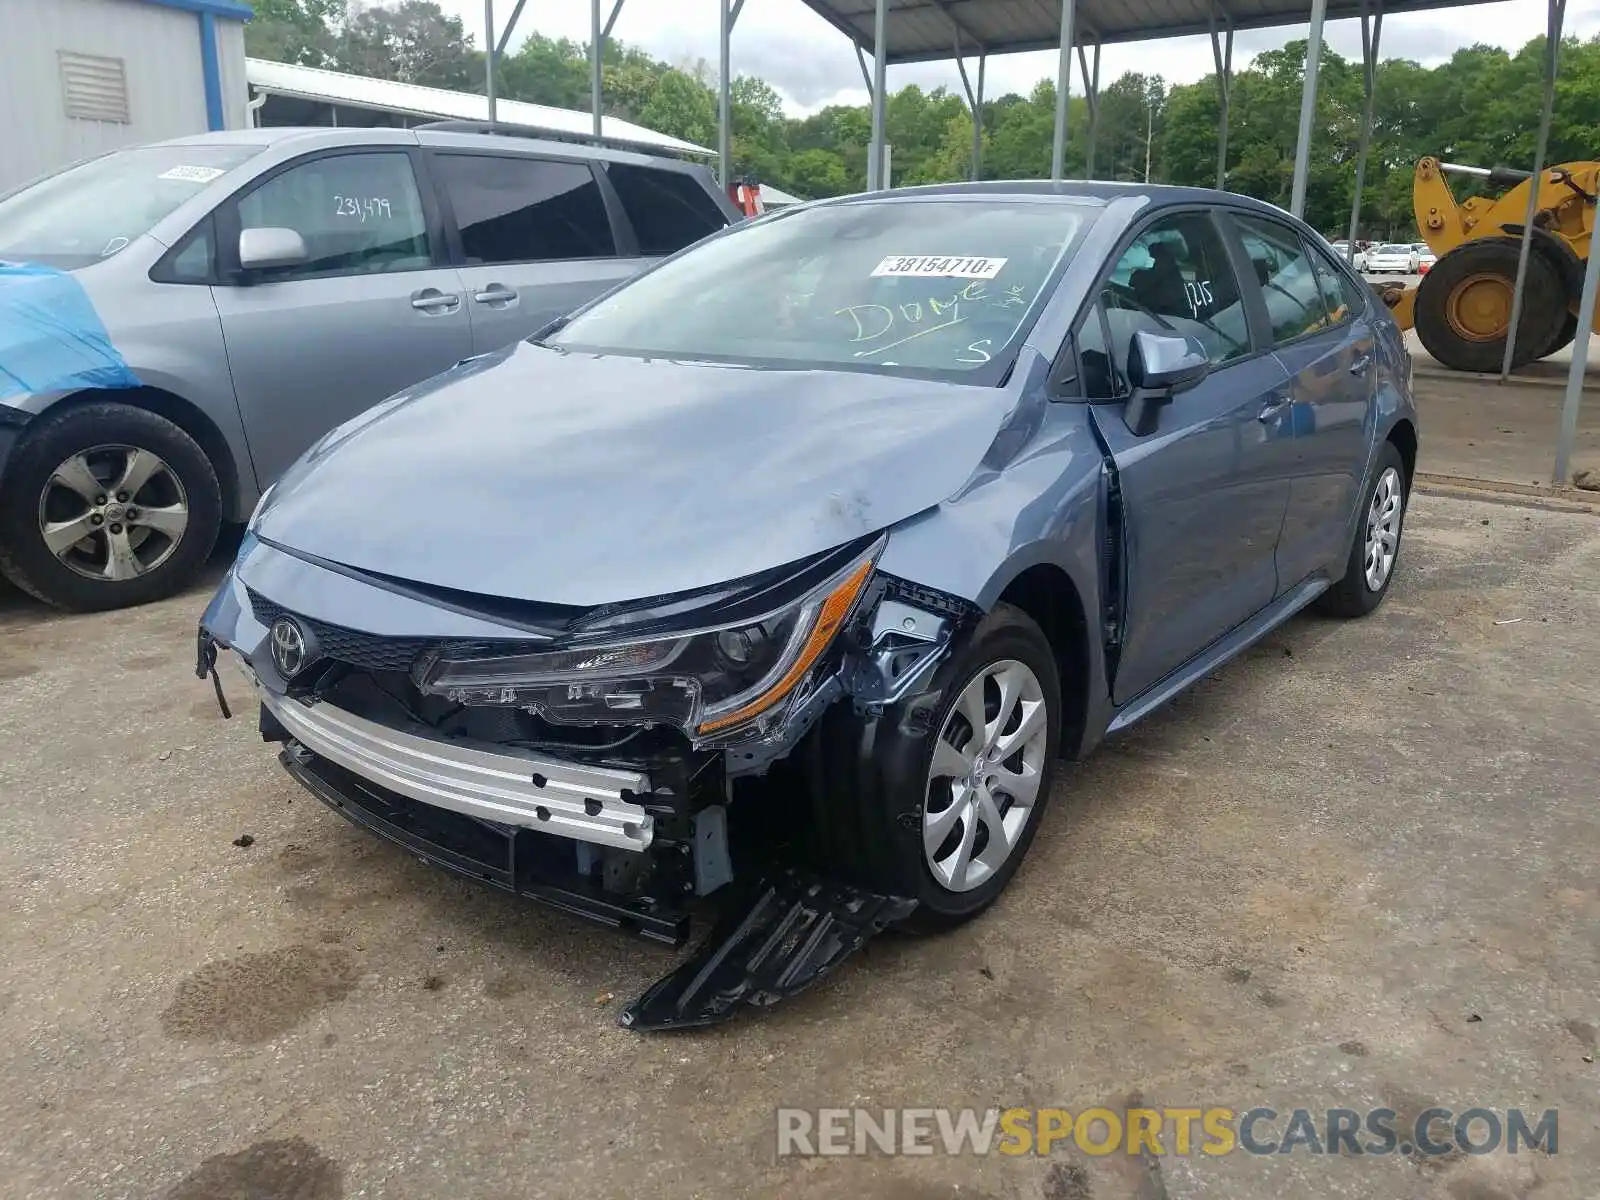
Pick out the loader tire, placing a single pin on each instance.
(1463, 306)
(1563, 336)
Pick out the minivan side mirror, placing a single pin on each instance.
(270, 246)
(1160, 365)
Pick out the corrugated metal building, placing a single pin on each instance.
(80, 77)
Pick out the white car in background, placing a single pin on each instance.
(1358, 261)
(1392, 258)
(1426, 258)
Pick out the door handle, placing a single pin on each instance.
(432, 300)
(496, 293)
(1274, 406)
(1362, 362)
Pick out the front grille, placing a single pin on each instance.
(368, 651)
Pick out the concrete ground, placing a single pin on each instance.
(1356, 867)
(1478, 428)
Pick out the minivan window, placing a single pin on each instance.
(524, 209)
(941, 288)
(358, 214)
(668, 209)
(95, 209)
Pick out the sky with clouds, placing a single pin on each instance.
(811, 64)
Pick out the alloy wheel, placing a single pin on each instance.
(984, 778)
(113, 513)
(1383, 528)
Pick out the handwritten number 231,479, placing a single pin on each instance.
(361, 207)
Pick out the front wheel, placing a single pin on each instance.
(950, 799)
(106, 506)
(1376, 547)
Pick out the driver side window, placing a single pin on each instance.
(1175, 278)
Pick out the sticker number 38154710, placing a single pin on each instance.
(933, 266)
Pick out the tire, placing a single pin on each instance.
(1563, 336)
(1544, 303)
(871, 786)
(1355, 595)
(164, 531)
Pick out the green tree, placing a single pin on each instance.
(681, 107)
(545, 71)
(294, 31)
(413, 42)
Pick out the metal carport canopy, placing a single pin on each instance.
(922, 30)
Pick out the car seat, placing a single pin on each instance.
(1160, 286)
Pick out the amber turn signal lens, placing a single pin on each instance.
(834, 610)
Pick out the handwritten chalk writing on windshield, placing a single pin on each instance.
(931, 266)
(362, 208)
(191, 174)
(910, 320)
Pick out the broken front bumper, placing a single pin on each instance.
(572, 800)
(508, 857)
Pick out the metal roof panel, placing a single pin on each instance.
(926, 30)
(337, 87)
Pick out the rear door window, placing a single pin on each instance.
(1288, 285)
(668, 209)
(513, 210)
(1342, 296)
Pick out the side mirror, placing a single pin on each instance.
(271, 247)
(1160, 365)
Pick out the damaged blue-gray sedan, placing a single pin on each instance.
(785, 573)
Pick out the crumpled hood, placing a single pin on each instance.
(543, 475)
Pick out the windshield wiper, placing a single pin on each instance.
(556, 326)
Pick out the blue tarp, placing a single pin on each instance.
(51, 338)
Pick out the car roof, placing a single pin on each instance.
(323, 135)
(1095, 192)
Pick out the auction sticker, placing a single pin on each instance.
(933, 266)
(192, 174)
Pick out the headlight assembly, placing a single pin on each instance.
(261, 504)
(716, 684)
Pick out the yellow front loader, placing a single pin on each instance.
(1462, 308)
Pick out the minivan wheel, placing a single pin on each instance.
(105, 506)
(949, 797)
(1376, 547)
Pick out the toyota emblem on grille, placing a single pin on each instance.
(288, 647)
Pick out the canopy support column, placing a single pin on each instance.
(880, 57)
(1552, 50)
(1371, 33)
(727, 14)
(1576, 373)
(974, 104)
(1058, 149)
(1222, 58)
(488, 62)
(598, 34)
(1091, 93)
(1308, 109)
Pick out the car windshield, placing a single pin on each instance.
(95, 209)
(1394, 249)
(944, 288)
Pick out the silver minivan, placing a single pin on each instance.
(179, 321)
